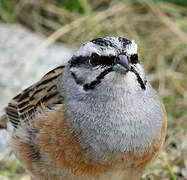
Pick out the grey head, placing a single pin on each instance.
(108, 98)
(96, 59)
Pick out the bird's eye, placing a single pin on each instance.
(94, 59)
(134, 58)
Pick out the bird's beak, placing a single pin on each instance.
(122, 64)
(122, 60)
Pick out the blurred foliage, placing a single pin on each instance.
(160, 29)
(179, 2)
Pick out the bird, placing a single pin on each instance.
(96, 117)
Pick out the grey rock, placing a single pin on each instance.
(17, 46)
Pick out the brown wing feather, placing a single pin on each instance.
(44, 93)
(3, 122)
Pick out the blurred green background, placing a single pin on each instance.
(160, 29)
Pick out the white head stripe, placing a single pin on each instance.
(132, 48)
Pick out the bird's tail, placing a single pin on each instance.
(3, 122)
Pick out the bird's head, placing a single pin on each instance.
(107, 62)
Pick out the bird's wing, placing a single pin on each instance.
(44, 93)
(3, 122)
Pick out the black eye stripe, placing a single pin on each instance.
(134, 58)
(96, 60)
(93, 60)
(77, 61)
(99, 60)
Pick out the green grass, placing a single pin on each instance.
(173, 177)
(79, 6)
(7, 10)
(178, 2)
(14, 169)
